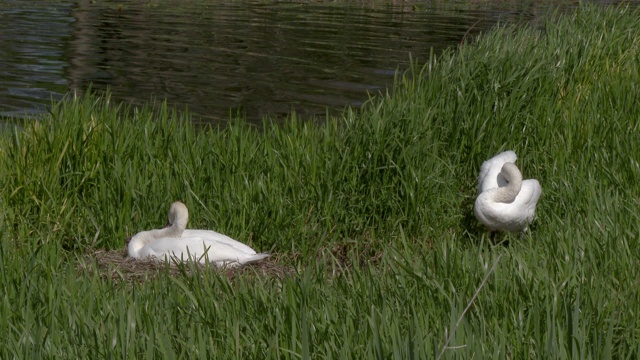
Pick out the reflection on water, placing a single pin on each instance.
(32, 60)
(221, 58)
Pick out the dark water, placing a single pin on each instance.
(220, 58)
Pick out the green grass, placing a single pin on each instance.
(373, 210)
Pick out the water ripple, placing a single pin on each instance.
(254, 58)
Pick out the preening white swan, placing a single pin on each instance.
(182, 245)
(490, 177)
(510, 207)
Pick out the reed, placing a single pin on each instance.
(370, 214)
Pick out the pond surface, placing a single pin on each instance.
(220, 58)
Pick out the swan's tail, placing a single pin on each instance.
(255, 258)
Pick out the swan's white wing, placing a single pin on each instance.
(530, 192)
(219, 253)
(162, 247)
(490, 177)
(199, 249)
(216, 236)
(528, 197)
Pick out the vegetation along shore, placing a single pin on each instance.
(368, 217)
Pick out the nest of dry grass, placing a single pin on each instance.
(118, 267)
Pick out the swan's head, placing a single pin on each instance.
(178, 215)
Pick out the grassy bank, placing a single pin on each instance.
(371, 213)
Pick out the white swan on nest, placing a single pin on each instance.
(510, 207)
(177, 243)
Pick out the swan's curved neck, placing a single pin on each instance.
(509, 193)
(178, 218)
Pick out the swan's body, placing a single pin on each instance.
(510, 207)
(174, 242)
(490, 177)
(199, 249)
